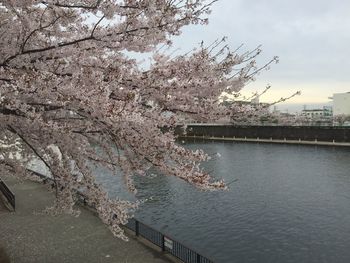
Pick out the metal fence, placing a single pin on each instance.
(166, 243)
(8, 194)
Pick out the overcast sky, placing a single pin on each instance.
(311, 38)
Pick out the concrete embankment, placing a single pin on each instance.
(309, 135)
(258, 140)
(28, 237)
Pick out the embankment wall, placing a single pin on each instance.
(304, 133)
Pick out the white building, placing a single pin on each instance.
(325, 112)
(314, 113)
(341, 103)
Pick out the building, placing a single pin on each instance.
(314, 113)
(341, 103)
(325, 112)
(317, 117)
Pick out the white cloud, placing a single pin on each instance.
(310, 37)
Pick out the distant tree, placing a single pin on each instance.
(71, 95)
(341, 119)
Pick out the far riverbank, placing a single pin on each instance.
(321, 135)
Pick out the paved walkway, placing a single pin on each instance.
(2, 207)
(27, 237)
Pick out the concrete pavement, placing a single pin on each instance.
(28, 238)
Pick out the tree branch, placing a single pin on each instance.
(13, 130)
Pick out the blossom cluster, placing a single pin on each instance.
(66, 80)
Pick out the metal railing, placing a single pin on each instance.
(166, 243)
(10, 197)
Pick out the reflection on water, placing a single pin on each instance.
(287, 203)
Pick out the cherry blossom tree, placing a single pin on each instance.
(71, 94)
(341, 119)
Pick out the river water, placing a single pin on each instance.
(286, 203)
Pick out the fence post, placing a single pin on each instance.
(136, 227)
(198, 258)
(163, 243)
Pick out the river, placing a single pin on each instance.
(286, 203)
